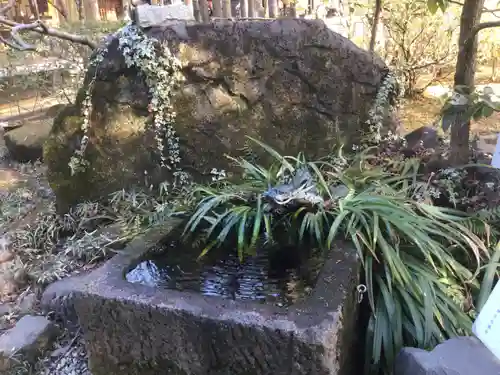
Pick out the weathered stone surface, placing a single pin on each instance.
(29, 338)
(133, 329)
(457, 356)
(294, 84)
(59, 302)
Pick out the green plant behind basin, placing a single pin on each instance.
(408, 249)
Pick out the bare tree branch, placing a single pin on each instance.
(39, 27)
(482, 26)
(17, 38)
(485, 10)
(476, 29)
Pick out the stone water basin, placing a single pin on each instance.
(280, 276)
(146, 313)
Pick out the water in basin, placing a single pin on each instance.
(280, 275)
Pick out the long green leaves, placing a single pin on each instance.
(419, 260)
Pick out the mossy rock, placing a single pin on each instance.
(293, 84)
(115, 157)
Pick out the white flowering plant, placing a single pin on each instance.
(160, 69)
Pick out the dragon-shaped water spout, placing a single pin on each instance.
(301, 190)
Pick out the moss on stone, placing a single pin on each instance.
(116, 155)
(57, 152)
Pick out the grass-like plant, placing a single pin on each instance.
(420, 261)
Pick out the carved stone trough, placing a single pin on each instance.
(134, 329)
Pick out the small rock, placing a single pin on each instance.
(27, 340)
(25, 144)
(21, 276)
(424, 136)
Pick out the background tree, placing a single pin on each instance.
(376, 18)
(418, 45)
(91, 10)
(457, 116)
(489, 51)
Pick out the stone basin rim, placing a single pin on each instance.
(309, 318)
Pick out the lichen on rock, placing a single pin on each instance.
(293, 84)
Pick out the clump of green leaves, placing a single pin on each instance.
(420, 261)
(50, 246)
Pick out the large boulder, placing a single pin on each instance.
(294, 84)
(25, 144)
(25, 138)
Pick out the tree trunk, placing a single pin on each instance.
(196, 10)
(33, 4)
(205, 17)
(376, 17)
(251, 8)
(494, 66)
(273, 8)
(226, 8)
(243, 8)
(79, 8)
(217, 8)
(91, 10)
(293, 9)
(265, 5)
(464, 76)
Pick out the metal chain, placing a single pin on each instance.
(361, 288)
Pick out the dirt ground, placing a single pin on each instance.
(423, 111)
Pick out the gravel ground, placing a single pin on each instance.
(70, 358)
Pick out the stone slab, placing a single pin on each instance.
(457, 356)
(157, 15)
(133, 329)
(30, 337)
